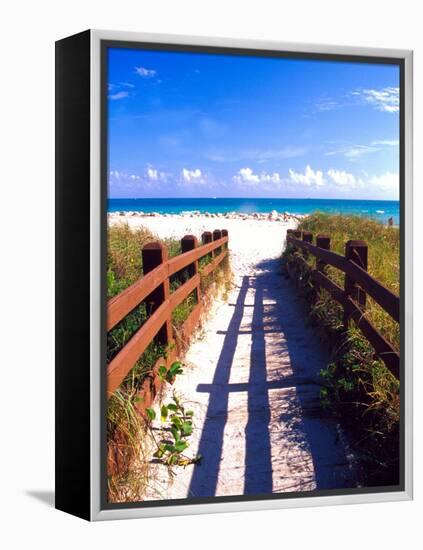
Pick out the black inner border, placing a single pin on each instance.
(105, 45)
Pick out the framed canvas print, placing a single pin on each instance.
(233, 275)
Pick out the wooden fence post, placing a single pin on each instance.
(225, 234)
(308, 238)
(322, 241)
(154, 254)
(189, 242)
(357, 252)
(289, 233)
(297, 235)
(217, 234)
(206, 238)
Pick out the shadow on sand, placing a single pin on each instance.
(276, 310)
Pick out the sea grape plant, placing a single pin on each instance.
(169, 374)
(175, 430)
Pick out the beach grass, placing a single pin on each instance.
(357, 386)
(383, 258)
(127, 448)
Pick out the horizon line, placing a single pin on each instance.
(250, 198)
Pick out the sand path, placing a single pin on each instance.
(252, 381)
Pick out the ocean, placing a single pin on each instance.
(378, 210)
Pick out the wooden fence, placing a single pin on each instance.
(154, 289)
(357, 285)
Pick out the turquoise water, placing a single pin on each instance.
(379, 210)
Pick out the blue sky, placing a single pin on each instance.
(201, 125)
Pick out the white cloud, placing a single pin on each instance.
(343, 178)
(118, 95)
(123, 175)
(310, 177)
(247, 176)
(145, 73)
(387, 142)
(353, 152)
(341, 183)
(385, 99)
(284, 153)
(192, 176)
(152, 174)
(127, 84)
(387, 183)
(359, 150)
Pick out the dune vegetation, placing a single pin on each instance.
(357, 387)
(129, 448)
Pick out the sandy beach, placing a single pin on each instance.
(252, 240)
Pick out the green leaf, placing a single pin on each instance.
(159, 453)
(189, 413)
(150, 413)
(175, 433)
(176, 421)
(180, 446)
(186, 428)
(175, 368)
(170, 448)
(162, 372)
(172, 407)
(163, 412)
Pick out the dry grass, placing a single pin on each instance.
(124, 264)
(127, 467)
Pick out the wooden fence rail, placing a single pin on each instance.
(357, 284)
(154, 290)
